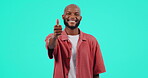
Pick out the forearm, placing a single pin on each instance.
(52, 42)
(51, 46)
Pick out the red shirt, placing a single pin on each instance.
(89, 61)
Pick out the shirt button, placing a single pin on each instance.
(70, 48)
(67, 74)
(68, 57)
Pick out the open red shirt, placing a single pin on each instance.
(89, 61)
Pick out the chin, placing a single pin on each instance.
(72, 25)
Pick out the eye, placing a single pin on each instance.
(77, 14)
(68, 13)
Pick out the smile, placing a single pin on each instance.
(72, 21)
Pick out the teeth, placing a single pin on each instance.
(71, 21)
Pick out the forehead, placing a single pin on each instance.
(72, 9)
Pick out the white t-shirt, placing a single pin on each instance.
(73, 39)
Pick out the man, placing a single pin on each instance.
(76, 54)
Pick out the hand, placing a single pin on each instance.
(57, 29)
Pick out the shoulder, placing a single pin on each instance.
(92, 41)
(89, 37)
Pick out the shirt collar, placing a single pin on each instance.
(64, 35)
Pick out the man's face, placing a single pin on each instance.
(72, 16)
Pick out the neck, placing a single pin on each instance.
(72, 31)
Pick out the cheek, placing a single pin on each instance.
(79, 18)
(66, 17)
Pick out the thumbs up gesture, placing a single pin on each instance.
(57, 29)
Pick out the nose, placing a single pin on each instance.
(72, 17)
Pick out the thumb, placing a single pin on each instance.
(57, 22)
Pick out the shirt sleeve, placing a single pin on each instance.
(50, 54)
(98, 61)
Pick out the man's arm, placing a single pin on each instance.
(52, 41)
(98, 66)
(57, 32)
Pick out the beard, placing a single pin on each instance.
(71, 27)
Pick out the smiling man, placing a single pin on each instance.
(76, 54)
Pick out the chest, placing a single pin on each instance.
(81, 48)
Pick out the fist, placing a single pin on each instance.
(57, 29)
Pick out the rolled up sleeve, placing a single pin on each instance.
(50, 52)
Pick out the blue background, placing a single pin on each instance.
(120, 26)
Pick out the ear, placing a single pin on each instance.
(80, 18)
(63, 16)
